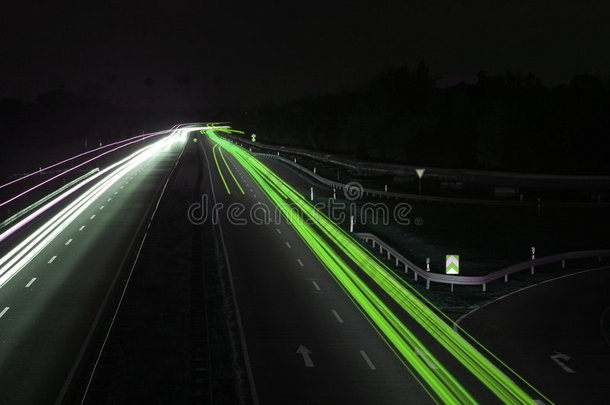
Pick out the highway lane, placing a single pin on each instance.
(54, 301)
(288, 301)
(555, 333)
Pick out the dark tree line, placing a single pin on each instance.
(511, 123)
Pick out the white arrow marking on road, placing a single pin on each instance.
(426, 359)
(4, 311)
(558, 357)
(302, 350)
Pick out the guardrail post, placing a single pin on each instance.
(484, 287)
(397, 262)
(451, 287)
(415, 275)
(406, 268)
(380, 249)
(427, 284)
(506, 278)
(388, 255)
(373, 243)
(532, 270)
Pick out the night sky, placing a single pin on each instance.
(215, 52)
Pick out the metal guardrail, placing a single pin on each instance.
(46, 198)
(476, 280)
(426, 198)
(474, 176)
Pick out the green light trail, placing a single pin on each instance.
(442, 383)
(218, 168)
(230, 171)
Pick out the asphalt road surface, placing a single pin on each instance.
(307, 343)
(48, 309)
(555, 334)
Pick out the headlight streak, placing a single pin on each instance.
(25, 251)
(503, 387)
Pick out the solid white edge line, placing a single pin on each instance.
(240, 326)
(461, 318)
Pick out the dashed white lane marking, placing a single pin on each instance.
(300, 263)
(339, 319)
(4, 311)
(68, 242)
(30, 283)
(102, 207)
(368, 361)
(52, 259)
(92, 216)
(288, 245)
(254, 195)
(278, 230)
(110, 199)
(315, 284)
(121, 186)
(81, 228)
(116, 192)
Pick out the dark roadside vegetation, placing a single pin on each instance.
(504, 123)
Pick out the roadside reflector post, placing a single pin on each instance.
(311, 193)
(351, 224)
(385, 187)
(295, 160)
(484, 287)
(420, 174)
(506, 278)
(427, 264)
(314, 170)
(451, 287)
(563, 263)
(278, 153)
(406, 268)
(335, 196)
(533, 258)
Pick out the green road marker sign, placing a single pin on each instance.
(452, 264)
